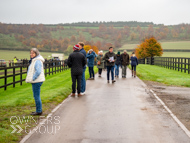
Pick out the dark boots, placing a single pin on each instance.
(133, 73)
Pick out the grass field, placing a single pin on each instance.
(19, 102)
(165, 45)
(176, 54)
(163, 75)
(9, 55)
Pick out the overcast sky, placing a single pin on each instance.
(166, 12)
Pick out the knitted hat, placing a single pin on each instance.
(118, 53)
(76, 47)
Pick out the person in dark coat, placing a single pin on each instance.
(134, 63)
(110, 58)
(124, 63)
(117, 64)
(76, 62)
(91, 56)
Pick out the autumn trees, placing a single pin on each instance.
(59, 38)
(149, 48)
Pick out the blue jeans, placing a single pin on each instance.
(36, 94)
(83, 81)
(91, 72)
(117, 70)
(110, 68)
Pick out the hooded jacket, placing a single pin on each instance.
(91, 58)
(35, 72)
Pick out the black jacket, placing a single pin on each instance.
(107, 56)
(118, 60)
(76, 62)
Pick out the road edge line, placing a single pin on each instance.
(171, 114)
(26, 137)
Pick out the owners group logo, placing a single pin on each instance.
(43, 125)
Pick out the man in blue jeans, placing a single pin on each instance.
(83, 80)
(110, 58)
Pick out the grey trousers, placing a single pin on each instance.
(124, 70)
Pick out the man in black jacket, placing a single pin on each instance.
(110, 58)
(76, 62)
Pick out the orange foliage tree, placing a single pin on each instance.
(88, 47)
(149, 48)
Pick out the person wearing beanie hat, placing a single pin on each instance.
(117, 64)
(124, 63)
(76, 62)
(75, 47)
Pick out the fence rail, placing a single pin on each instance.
(50, 68)
(175, 63)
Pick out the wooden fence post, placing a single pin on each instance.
(5, 79)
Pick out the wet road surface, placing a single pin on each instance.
(112, 113)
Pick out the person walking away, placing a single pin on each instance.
(35, 76)
(134, 63)
(100, 62)
(83, 80)
(110, 58)
(91, 56)
(76, 62)
(124, 63)
(117, 64)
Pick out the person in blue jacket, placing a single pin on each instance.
(91, 56)
(134, 63)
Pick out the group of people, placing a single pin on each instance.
(113, 61)
(77, 61)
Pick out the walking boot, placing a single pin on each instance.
(132, 73)
(73, 95)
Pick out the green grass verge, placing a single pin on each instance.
(163, 75)
(19, 102)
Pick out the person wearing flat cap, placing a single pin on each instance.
(76, 62)
(124, 63)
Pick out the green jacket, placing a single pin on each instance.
(100, 58)
(107, 57)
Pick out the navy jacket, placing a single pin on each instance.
(134, 61)
(83, 51)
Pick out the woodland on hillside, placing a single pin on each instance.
(60, 37)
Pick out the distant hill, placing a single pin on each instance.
(60, 37)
